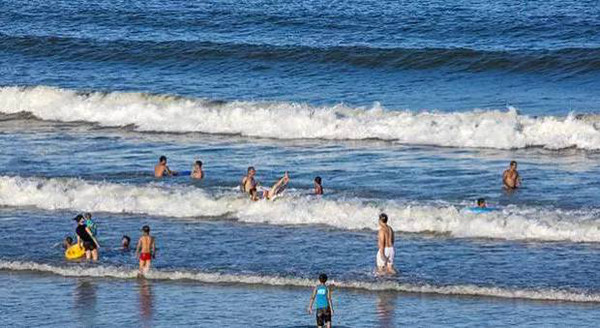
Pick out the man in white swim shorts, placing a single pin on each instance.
(385, 244)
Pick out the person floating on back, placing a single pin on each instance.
(385, 244)
(318, 186)
(322, 295)
(145, 250)
(197, 172)
(161, 169)
(86, 239)
(510, 177)
(270, 194)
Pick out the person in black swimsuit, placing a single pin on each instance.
(85, 237)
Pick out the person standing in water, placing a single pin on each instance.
(510, 177)
(318, 186)
(86, 239)
(161, 169)
(385, 244)
(145, 250)
(324, 305)
(248, 182)
(197, 172)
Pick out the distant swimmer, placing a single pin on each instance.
(322, 295)
(248, 182)
(145, 250)
(125, 242)
(270, 194)
(510, 177)
(161, 169)
(318, 186)
(86, 239)
(68, 242)
(197, 172)
(385, 244)
(481, 203)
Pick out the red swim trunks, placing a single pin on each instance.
(145, 257)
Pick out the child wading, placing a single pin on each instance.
(322, 294)
(145, 250)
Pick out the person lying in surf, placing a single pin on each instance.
(161, 169)
(197, 172)
(270, 194)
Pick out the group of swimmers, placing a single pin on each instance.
(321, 296)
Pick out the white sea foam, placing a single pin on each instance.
(191, 202)
(489, 129)
(220, 278)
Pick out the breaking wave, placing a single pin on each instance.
(220, 278)
(477, 129)
(512, 223)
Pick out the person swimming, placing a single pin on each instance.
(68, 242)
(125, 242)
(481, 203)
(161, 169)
(197, 172)
(318, 186)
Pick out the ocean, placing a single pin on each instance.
(405, 107)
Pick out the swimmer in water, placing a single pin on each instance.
(318, 186)
(270, 194)
(197, 172)
(161, 169)
(248, 182)
(510, 177)
(125, 241)
(324, 305)
(385, 244)
(68, 242)
(481, 203)
(145, 250)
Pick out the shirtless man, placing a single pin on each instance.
(161, 169)
(145, 250)
(197, 172)
(510, 177)
(385, 243)
(248, 182)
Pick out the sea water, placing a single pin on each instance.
(410, 108)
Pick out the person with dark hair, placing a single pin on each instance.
(273, 192)
(510, 177)
(248, 182)
(68, 242)
(161, 169)
(481, 203)
(145, 250)
(86, 239)
(318, 186)
(385, 244)
(324, 306)
(125, 242)
(197, 172)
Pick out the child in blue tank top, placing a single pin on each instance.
(322, 295)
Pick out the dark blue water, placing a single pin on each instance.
(410, 108)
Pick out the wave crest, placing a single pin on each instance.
(295, 209)
(220, 278)
(476, 129)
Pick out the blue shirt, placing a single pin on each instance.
(321, 297)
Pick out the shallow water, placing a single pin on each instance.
(410, 108)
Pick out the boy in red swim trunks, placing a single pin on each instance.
(145, 250)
